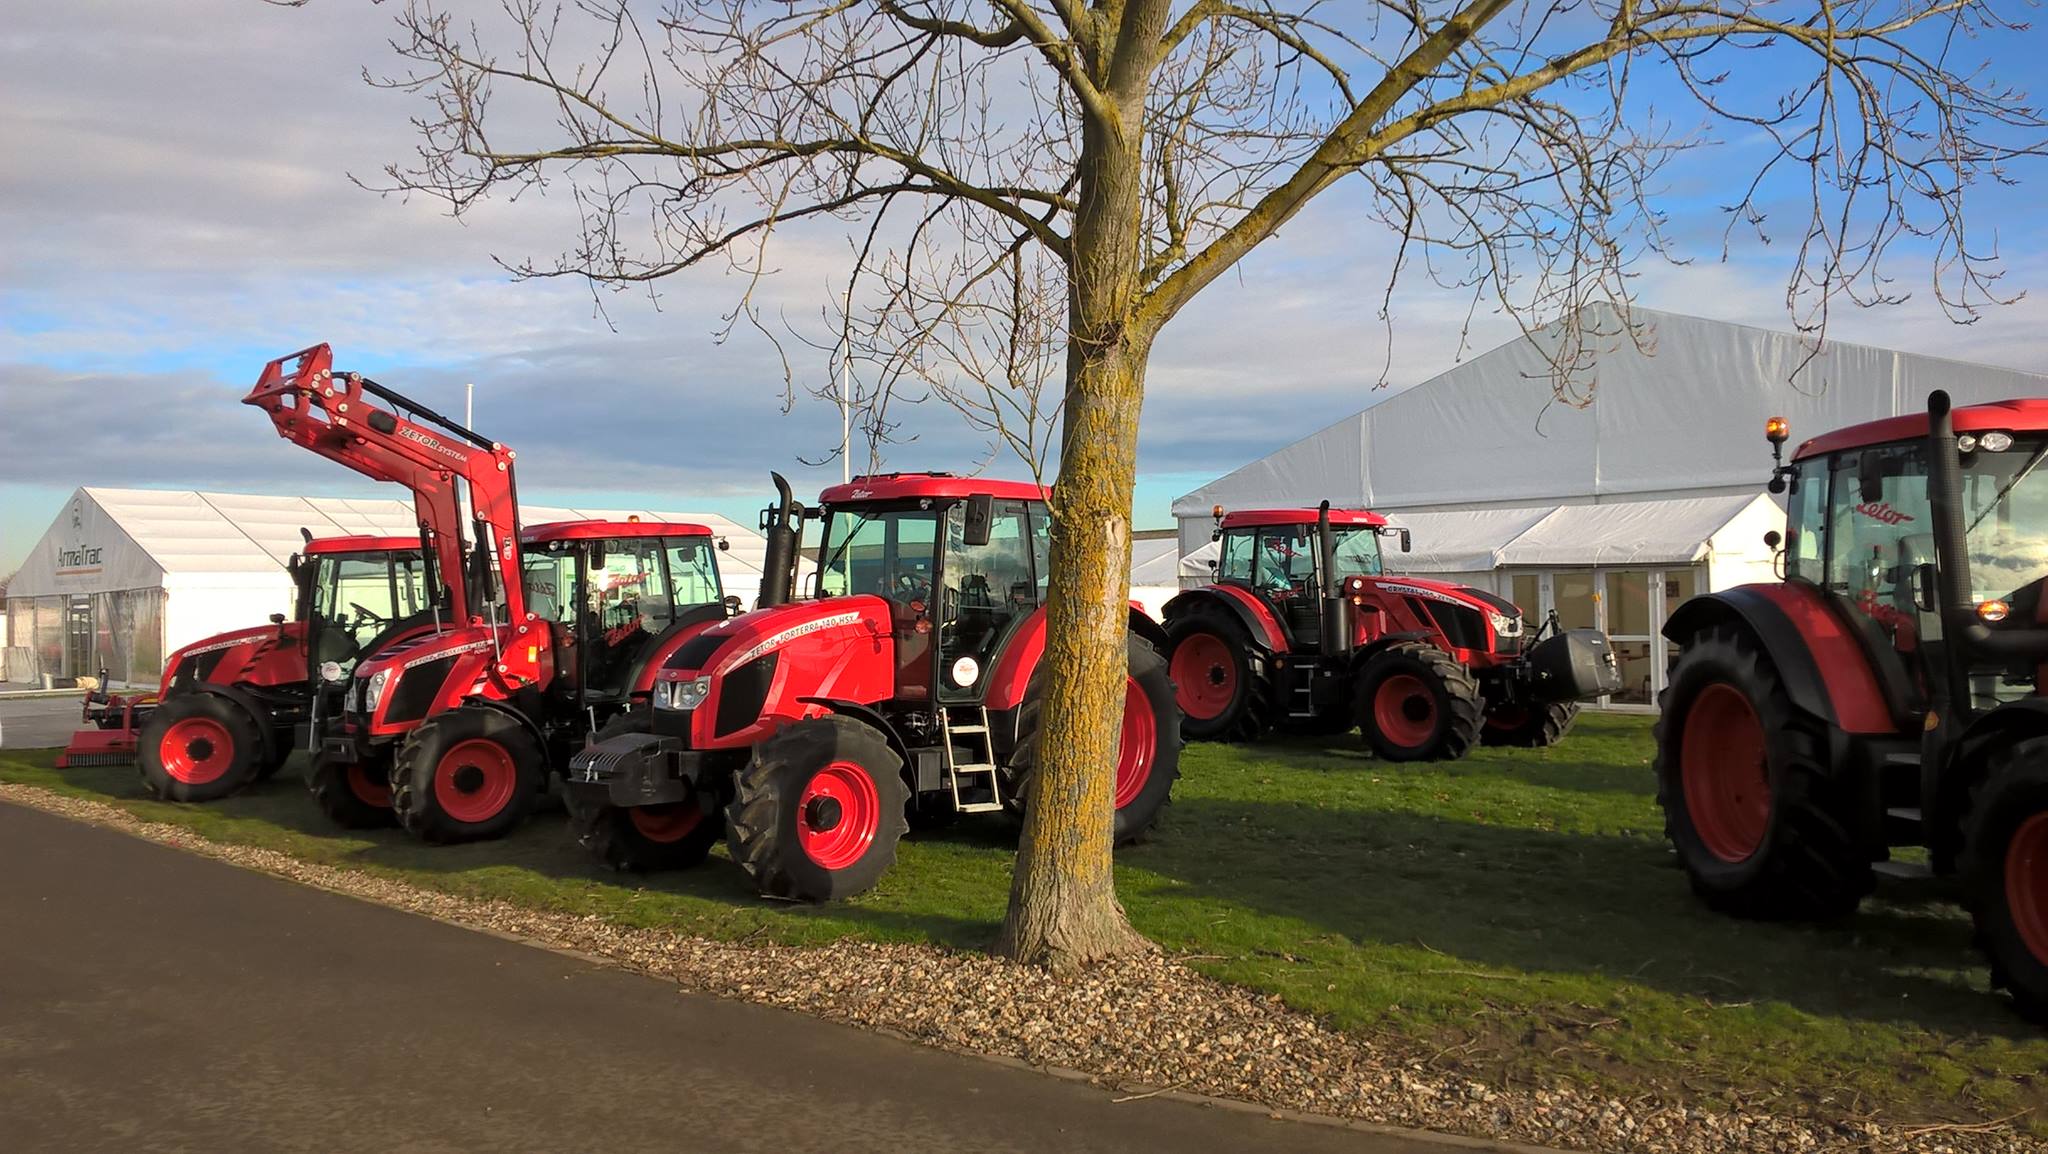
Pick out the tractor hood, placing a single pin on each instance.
(401, 684)
(1505, 618)
(231, 656)
(748, 675)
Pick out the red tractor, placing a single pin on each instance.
(547, 633)
(1302, 628)
(808, 733)
(1887, 692)
(233, 706)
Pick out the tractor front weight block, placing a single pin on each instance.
(636, 769)
(1576, 665)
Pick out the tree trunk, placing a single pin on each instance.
(1063, 908)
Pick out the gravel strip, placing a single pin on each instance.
(1143, 1023)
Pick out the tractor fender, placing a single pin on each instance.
(1801, 635)
(1020, 655)
(259, 711)
(869, 715)
(1258, 621)
(524, 718)
(1365, 653)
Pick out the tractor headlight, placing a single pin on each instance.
(330, 671)
(683, 694)
(373, 692)
(1504, 625)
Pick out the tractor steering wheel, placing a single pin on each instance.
(913, 586)
(367, 615)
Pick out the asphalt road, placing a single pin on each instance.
(156, 1000)
(37, 722)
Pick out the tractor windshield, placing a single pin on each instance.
(1357, 549)
(887, 552)
(2005, 510)
(357, 596)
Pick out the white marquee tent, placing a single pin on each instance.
(126, 576)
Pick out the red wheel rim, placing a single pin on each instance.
(367, 789)
(838, 815)
(475, 780)
(1404, 710)
(196, 750)
(2026, 883)
(1140, 743)
(1508, 717)
(666, 823)
(1204, 676)
(1724, 768)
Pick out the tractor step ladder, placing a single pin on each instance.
(1905, 871)
(1301, 699)
(977, 729)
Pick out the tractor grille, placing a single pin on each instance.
(1462, 626)
(417, 688)
(743, 692)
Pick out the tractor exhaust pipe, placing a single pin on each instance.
(782, 525)
(1336, 634)
(1945, 507)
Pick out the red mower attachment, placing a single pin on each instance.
(111, 725)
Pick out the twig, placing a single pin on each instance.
(1152, 1093)
(1965, 1127)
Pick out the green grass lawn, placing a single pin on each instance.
(1515, 915)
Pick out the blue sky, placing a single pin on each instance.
(176, 210)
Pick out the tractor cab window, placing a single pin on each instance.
(2005, 518)
(1235, 562)
(1806, 510)
(1357, 551)
(357, 597)
(692, 571)
(1879, 530)
(886, 552)
(1284, 564)
(986, 589)
(549, 574)
(628, 594)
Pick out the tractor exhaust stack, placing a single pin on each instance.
(782, 524)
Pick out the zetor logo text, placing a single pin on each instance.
(1883, 511)
(411, 434)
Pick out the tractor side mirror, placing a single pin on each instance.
(597, 556)
(1405, 543)
(1772, 539)
(1923, 587)
(277, 619)
(1212, 566)
(732, 606)
(1870, 474)
(980, 518)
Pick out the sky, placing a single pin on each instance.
(176, 209)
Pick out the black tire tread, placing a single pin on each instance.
(1254, 716)
(1463, 705)
(1546, 725)
(1812, 868)
(753, 819)
(327, 781)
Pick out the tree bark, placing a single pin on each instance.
(1063, 909)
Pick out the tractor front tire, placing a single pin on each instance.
(198, 747)
(1529, 726)
(642, 839)
(818, 810)
(1760, 827)
(2005, 875)
(1148, 749)
(1415, 703)
(353, 794)
(1219, 678)
(470, 774)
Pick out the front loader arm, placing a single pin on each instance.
(337, 416)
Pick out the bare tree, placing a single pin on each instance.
(1036, 187)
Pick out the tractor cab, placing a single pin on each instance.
(1860, 533)
(351, 591)
(1277, 555)
(961, 562)
(609, 591)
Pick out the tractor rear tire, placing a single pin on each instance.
(2005, 875)
(643, 839)
(817, 812)
(1414, 702)
(1529, 726)
(353, 795)
(1220, 679)
(198, 747)
(1148, 754)
(1742, 775)
(470, 774)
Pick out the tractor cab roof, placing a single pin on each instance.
(1250, 518)
(587, 530)
(2024, 415)
(323, 546)
(942, 486)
